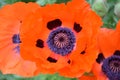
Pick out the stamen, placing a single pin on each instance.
(114, 65)
(111, 67)
(17, 49)
(16, 39)
(61, 41)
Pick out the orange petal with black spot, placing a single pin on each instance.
(11, 17)
(85, 50)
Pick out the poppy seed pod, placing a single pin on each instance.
(100, 7)
(117, 9)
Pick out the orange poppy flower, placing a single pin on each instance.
(107, 65)
(59, 39)
(11, 17)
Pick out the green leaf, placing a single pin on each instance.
(62, 1)
(90, 1)
(28, 1)
(39, 77)
(41, 2)
(11, 1)
(51, 1)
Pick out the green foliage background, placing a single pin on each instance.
(39, 77)
(109, 19)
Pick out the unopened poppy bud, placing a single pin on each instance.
(41, 2)
(100, 7)
(51, 1)
(44, 2)
(117, 10)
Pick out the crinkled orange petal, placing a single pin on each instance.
(87, 78)
(106, 43)
(40, 29)
(14, 64)
(77, 5)
(71, 71)
(18, 10)
(11, 17)
(86, 42)
(98, 72)
(34, 27)
(118, 26)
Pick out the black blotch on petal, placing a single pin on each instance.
(117, 52)
(52, 60)
(100, 58)
(77, 27)
(54, 23)
(40, 43)
(83, 52)
(20, 21)
(16, 39)
(69, 62)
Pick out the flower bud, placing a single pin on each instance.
(44, 2)
(117, 10)
(100, 7)
(41, 2)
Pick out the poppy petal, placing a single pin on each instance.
(87, 78)
(48, 33)
(11, 17)
(108, 43)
